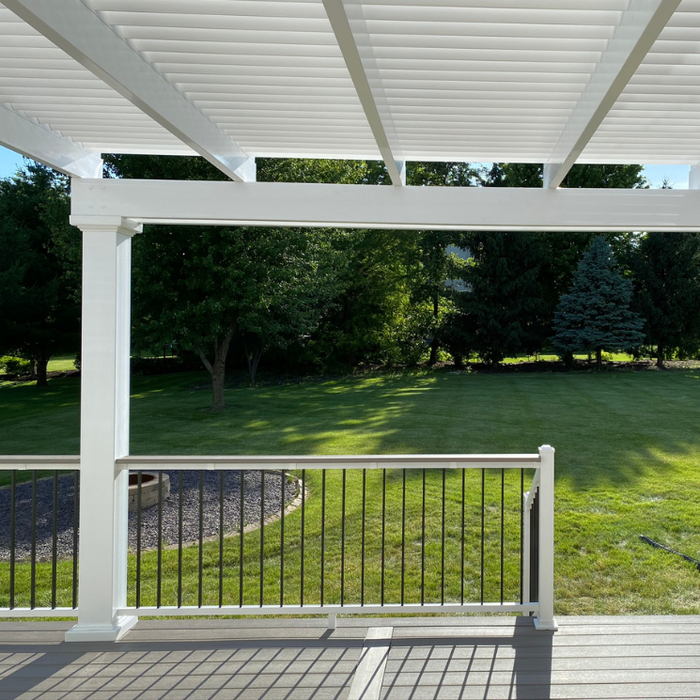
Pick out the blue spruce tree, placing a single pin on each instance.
(595, 315)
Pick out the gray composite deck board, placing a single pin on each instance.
(438, 658)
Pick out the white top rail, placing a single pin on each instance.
(276, 462)
(263, 462)
(22, 462)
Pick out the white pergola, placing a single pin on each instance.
(556, 82)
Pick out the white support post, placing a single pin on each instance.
(694, 177)
(104, 428)
(545, 497)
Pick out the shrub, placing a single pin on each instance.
(15, 366)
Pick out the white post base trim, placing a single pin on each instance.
(83, 632)
(546, 625)
(331, 621)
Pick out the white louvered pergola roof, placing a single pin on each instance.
(546, 81)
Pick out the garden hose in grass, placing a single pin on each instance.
(658, 545)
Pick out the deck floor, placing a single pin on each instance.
(393, 659)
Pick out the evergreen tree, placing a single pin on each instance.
(504, 309)
(39, 268)
(667, 274)
(595, 315)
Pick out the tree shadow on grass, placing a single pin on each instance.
(611, 429)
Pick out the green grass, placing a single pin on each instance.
(61, 363)
(628, 462)
(551, 357)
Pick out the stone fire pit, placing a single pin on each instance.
(149, 490)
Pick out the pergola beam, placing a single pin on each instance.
(36, 142)
(346, 19)
(78, 31)
(639, 28)
(366, 206)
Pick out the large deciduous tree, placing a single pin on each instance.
(595, 316)
(201, 286)
(666, 269)
(39, 268)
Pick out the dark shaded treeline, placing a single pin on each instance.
(329, 299)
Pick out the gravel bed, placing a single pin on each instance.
(149, 516)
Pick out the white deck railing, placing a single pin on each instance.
(536, 550)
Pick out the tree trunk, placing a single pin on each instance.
(217, 369)
(660, 357)
(599, 359)
(41, 364)
(568, 359)
(458, 360)
(434, 345)
(253, 359)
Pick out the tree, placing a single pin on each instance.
(435, 265)
(39, 268)
(373, 319)
(515, 279)
(202, 286)
(666, 269)
(595, 315)
(503, 309)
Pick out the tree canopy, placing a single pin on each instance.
(666, 269)
(203, 286)
(39, 267)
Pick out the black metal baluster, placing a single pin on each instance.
(282, 494)
(54, 540)
(483, 510)
(503, 498)
(342, 541)
(180, 489)
(262, 536)
(13, 538)
(160, 539)
(303, 533)
(464, 492)
(221, 537)
(442, 553)
(200, 553)
(383, 530)
(422, 548)
(240, 534)
(139, 477)
(32, 593)
(522, 530)
(362, 557)
(76, 509)
(323, 533)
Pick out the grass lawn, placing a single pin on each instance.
(628, 462)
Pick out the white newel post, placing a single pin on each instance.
(104, 427)
(545, 619)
